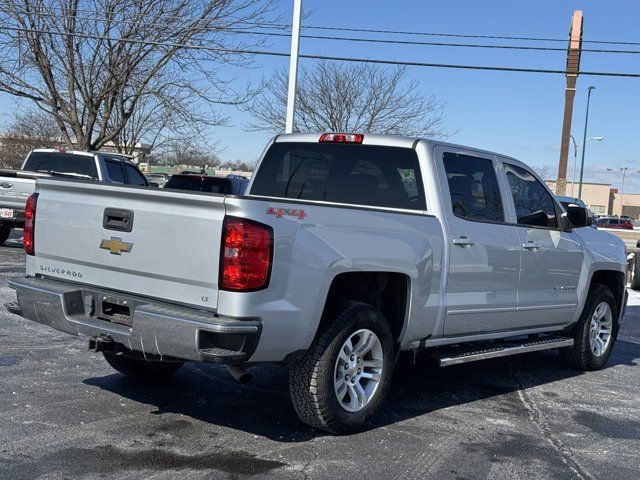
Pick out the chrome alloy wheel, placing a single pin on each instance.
(601, 329)
(358, 370)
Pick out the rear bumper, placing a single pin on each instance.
(157, 328)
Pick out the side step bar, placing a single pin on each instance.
(473, 353)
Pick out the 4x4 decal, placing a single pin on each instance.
(286, 212)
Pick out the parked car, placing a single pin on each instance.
(231, 184)
(345, 250)
(566, 201)
(158, 179)
(617, 223)
(17, 185)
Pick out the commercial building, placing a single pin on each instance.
(599, 197)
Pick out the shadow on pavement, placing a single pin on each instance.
(208, 393)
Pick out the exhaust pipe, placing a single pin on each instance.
(240, 374)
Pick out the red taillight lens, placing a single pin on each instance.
(341, 138)
(30, 224)
(247, 251)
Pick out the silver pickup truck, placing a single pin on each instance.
(345, 250)
(17, 185)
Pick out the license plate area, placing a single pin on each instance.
(115, 309)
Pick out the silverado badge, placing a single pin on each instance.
(116, 246)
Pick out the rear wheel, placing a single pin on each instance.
(345, 375)
(139, 368)
(5, 231)
(595, 332)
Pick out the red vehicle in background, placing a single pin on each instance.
(617, 223)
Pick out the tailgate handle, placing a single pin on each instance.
(117, 219)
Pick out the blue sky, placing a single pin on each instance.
(518, 114)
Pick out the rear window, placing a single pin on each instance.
(197, 184)
(61, 163)
(356, 174)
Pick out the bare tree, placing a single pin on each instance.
(96, 65)
(349, 97)
(543, 171)
(29, 130)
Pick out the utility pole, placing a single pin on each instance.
(573, 68)
(293, 65)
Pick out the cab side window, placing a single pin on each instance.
(473, 187)
(534, 205)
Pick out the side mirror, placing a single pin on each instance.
(578, 216)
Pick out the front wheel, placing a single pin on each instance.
(595, 332)
(345, 375)
(139, 368)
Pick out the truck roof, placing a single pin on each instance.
(391, 141)
(90, 153)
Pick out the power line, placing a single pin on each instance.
(285, 26)
(322, 57)
(382, 41)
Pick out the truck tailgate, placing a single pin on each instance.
(172, 251)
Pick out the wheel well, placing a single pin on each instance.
(386, 291)
(614, 281)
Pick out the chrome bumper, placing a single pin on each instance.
(157, 329)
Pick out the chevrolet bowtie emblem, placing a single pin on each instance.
(116, 246)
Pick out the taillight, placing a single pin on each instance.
(341, 138)
(247, 252)
(30, 224)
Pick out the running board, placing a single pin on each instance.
(472, 353)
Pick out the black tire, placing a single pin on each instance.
(580, 355)
(141, 369)
(5, 231)
(311, 380)
(635, 279)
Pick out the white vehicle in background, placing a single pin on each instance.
(345, 250)
(17, 185)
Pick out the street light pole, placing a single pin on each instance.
(624, 172)
(584, 141)
(293, 66)
(575, 161)
(575, 155)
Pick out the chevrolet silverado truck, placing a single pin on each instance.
(345, 250)
(17, 185)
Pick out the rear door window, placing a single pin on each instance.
(354, 174)
(473, 187)
(62, 163)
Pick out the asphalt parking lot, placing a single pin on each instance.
(65, 413)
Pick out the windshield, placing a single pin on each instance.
(62, 163)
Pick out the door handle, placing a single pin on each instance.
(462, 241)
(531, 246)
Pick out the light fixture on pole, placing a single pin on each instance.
(584, 139)
(576, 146)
